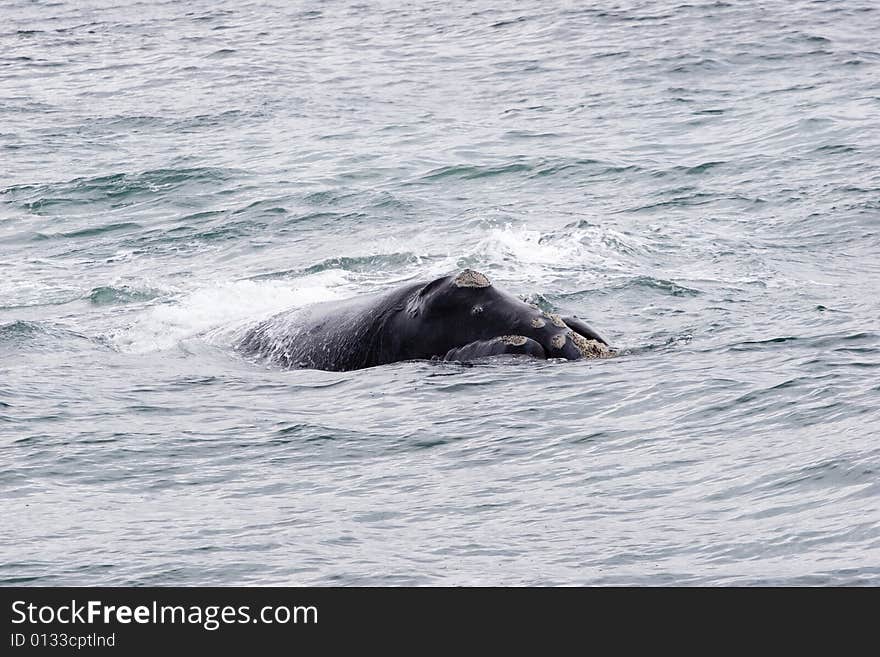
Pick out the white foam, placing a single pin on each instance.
(527, 246)
(217, 309)
(526, 254)
(218, 312)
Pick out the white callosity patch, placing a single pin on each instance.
(513, 340)
(591, 348)
(557, 320)
(471, 278)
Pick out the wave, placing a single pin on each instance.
(21, 334)
(537, 168)
(111, 295)
(115, 188)
(859, 343)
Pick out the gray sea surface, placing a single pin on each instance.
(700, 181)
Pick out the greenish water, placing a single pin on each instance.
(699, 181)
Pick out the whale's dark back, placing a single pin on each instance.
(338, 336)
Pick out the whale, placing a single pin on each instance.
(460, 317)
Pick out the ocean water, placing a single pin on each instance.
(700, 181)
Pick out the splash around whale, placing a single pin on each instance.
(458, 318)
